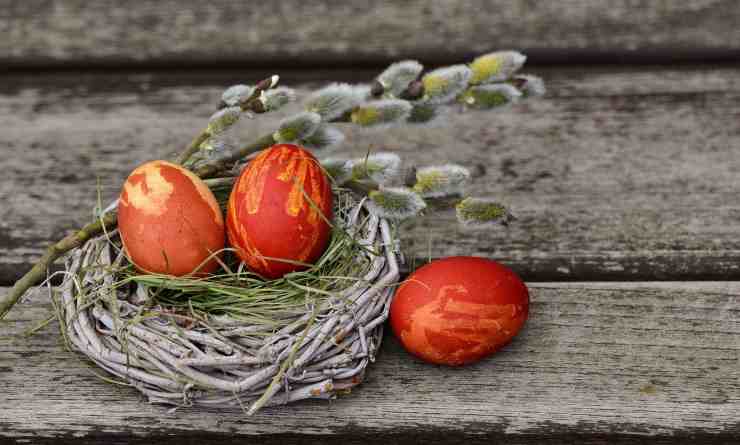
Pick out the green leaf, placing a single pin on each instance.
(277, 98)
(482, 213)
(496, 67)
(223, 119)
(325, 137)
(441, 180)
(395, 203)
(424, 113)
(298, 126)
(381, 113)
(235, 94)
(444, 84)
(379, 167)
(397, 77)
(335, 100)
(490, 96)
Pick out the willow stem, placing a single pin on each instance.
(217, 166)
(362, 187)
(38, 271)
(193, 147)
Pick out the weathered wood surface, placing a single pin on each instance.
(617, 174)
(118, 33)
(596, 363)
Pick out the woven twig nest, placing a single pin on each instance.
(219, 360)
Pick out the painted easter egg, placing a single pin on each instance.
(458, 310)
(169, 221)
(278, 211)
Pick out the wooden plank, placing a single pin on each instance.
(596, 363)
(153, 33)
(622, 174)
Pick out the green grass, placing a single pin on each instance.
(246, 297)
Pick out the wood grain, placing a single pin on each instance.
(44, 33)
(617, 174)
(596, 363)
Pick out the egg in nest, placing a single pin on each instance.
(169, 220)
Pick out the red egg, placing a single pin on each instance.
(278, 210)
(169, 220)
(458, 310)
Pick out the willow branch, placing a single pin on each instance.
(217, 166)
(450, 78)
(38, 271)
(252, 103)
(361, 187)
(193, 147)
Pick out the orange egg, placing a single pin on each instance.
(458, 310)
(169, 220)
(278, 210)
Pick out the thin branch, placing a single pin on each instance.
(217, 166)
(193, 147)
(38, 271)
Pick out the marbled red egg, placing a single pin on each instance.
(458, 310)
(278, 211)
(169, 220)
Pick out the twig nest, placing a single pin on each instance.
(169, 220)
(309, 335)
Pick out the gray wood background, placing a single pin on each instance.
(320, 33)
(628, 171)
